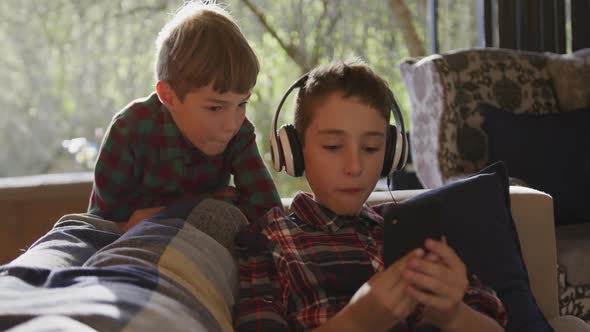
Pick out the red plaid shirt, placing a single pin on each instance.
(297, 271)
(145, 161)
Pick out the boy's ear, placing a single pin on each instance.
(166, 94)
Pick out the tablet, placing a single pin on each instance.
(408, 225)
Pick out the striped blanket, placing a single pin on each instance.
(172, 272)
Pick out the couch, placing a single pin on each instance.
(531, 210)
(472, 107)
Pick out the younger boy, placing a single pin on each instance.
(300, 271)
(188, 137)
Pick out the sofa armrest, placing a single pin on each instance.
(569, 324)
(532, 212)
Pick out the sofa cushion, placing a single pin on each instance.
(570, 74)
(478, 224)
(550, 152)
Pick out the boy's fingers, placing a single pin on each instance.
(400, 263)
(396, 292)
(385, 281)
(432, 257)
(401, 303)
(430, 283)
(404, 306)
(436, 278)
(390, 289)
(140, 215)
(227, 192)
(392, 277)
(426, 298)
(446, 253)
(430, 268)
(376, 278)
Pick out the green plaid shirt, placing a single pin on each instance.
(145, 161)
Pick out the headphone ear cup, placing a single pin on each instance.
(291, 150)
(276, 153)
(406, 150)
(398, 150)
(400, 144)
(390, 144)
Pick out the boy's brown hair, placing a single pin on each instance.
(202, 44)
(354, 79)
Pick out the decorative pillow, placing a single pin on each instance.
(570, 74)
(510, 79)
(550, 152)
(478, 225)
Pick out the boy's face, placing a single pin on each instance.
(343, 153)
(209, 119)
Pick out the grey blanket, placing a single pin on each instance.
(172, 272)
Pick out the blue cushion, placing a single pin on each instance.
(477, 222)
(550, 152)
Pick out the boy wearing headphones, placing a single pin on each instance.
(321, 268)
(192, 134)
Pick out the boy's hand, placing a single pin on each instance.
(226, 193)
(382, 301)
(437, 281)
(140, 215)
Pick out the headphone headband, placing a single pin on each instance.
(298, 83)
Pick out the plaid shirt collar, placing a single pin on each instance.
(312, 213)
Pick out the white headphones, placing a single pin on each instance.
(287, 152)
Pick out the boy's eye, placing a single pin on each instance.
(243, 105)
(331, 147)
(214, 108)
(371, 149)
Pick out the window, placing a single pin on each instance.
(69, 66)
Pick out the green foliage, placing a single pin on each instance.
(70, 65)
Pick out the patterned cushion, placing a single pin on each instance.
(446, 94)
(573, 300)
(571, 78)
(426, 93)
(497, 77)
